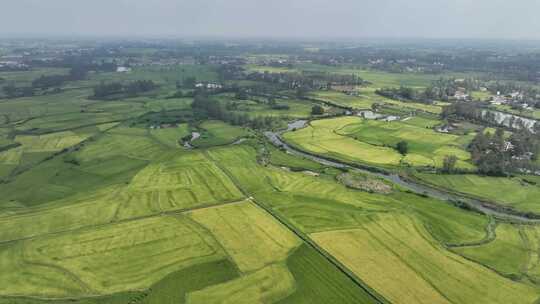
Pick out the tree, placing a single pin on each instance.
(402, 147)
(376, 106)
(10, 90)
(189, 82)
(449, 164)
(301, 92)
(241, 95)
(317, 110)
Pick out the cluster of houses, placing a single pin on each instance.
(12, 63)
(499, 99)
(208, 85)
(512, 98)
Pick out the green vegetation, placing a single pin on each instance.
(217, 133)
(511, 192)
(172, 136)
(283, 159)
(374, 142)
(508, 243)
(171, 289)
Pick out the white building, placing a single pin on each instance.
(210, 86)
(122, 69)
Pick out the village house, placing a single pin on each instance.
(461, 94)
(498, 100)
(390, 118)
(369, 115)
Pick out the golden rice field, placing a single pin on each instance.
(396, 256)
(269, 241)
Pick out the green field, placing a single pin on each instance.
(511, 192)
(171, 136)
(217, 133)
(512, 243)
(105, 202)
(367, 141)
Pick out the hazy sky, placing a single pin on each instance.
(274, 18)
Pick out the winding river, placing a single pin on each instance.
(484, 207)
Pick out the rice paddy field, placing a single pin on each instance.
(398, 258)
(101, 202)
(372, 142)
(348, 224)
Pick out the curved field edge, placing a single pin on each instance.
(171, 289)
(519, 245)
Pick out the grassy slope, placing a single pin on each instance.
(171, 136)
(507, 191)
(217, 133)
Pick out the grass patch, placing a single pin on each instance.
(508, 253)
(217, 133)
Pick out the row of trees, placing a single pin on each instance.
(408, 94)
(44, 82)
(51, 81)
(119, 90)
(307, 80)
(205, 108)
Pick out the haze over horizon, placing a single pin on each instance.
(480, 19)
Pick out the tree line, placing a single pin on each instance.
(120, 90)
(206, 108)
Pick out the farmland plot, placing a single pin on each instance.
(112, 258)
(373, 142)
(182, 182)
(268, 241)
(397, 257)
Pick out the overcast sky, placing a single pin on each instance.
(517, 19)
